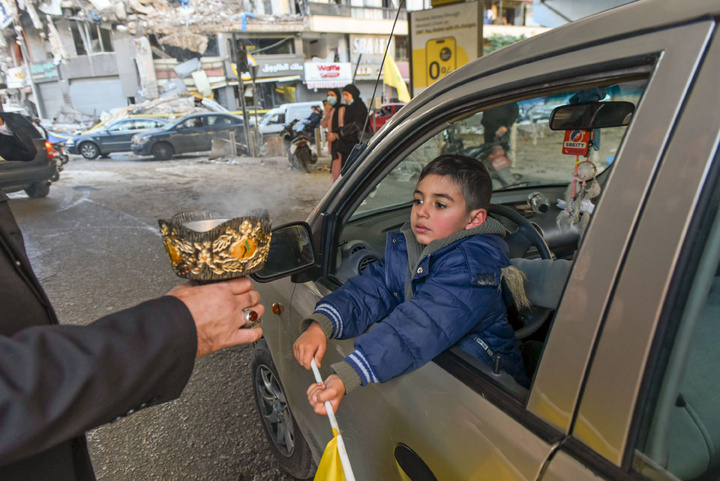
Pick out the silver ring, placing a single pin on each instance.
(251, 315)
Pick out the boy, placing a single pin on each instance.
(438, 285)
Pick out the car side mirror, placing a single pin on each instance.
(291, 251)
(591, 115)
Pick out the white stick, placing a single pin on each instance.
(349, 476)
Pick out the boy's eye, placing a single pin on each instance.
(440, 205)
(417, 201)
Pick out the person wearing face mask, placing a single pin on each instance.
(333, 110)
(351, 124)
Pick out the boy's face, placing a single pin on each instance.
(439, 210)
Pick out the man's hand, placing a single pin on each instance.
(217, 310)
(501, 131)
(333, 390)
(311, 343)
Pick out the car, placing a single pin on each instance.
(274, 120)
(386, 111)
(115, 137)
(621, 345)
(34, 176)
(192, 133)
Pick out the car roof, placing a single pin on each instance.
(619, 22)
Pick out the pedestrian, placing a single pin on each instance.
(333, 110)
(58, 381)
(352, 123)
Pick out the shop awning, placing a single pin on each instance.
(328, 84)
(287, 78)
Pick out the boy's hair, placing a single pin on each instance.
(469, 174)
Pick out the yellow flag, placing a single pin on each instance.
(392, 77)
(330, 468)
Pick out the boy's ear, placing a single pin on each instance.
(477, 219)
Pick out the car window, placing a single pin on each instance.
(146, 124)
(522, 154)
(193, 122)
(681, 435)
(121, 126)
(532, 152)
(218, 120)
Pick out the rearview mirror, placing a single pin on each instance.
(291, 251)
(592, 115)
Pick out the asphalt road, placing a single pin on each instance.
(95, 246)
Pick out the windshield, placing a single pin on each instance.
(514, 142)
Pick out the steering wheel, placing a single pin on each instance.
(520, 241)
(524, 237)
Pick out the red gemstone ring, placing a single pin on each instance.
(250, 315)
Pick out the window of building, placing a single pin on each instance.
(90, 38)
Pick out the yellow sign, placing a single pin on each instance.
(443, 40)
(246, 75)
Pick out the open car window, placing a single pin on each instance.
(525, 160)
(533, 152)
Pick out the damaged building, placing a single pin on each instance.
(95, 56)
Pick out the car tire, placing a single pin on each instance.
(89, 150)
(286, 440)
(38, 190)
(162, 151)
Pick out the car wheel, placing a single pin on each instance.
(38, 189)
(89, 150)
(286, 440)
(162, 151)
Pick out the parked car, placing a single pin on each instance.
(386, 111)
(192, 133)
(33, 176)
(115, 137)
(276, 119)
(622, 344)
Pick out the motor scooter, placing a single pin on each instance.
(298, 147)
(494, 155)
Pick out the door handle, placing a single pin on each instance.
(410, 466)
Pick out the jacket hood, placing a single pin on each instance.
(352, 90)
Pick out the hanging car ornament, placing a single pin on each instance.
(577, 205)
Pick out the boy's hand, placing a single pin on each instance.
(311, 343)
(333, 390)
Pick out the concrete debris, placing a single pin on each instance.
(186, 40)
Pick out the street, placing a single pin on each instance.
(95, 246)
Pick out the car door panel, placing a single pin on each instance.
(605, 414)
(490, 447)
(569, 347)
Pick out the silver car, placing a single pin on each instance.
(621, 248)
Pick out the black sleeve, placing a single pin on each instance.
(56, 382)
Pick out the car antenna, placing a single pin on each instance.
(382, 65)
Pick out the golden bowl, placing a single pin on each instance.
(204, 246)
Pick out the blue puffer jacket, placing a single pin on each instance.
(452, 297)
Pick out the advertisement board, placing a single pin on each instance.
(442, 40)
(15, 77)
(369, 50)
(326, 75)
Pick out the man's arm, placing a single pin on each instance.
(56, 382)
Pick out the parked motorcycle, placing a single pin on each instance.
(298, 147)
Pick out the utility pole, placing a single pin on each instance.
(239, 55)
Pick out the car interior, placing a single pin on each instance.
(544, 193)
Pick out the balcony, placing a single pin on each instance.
(363, 13)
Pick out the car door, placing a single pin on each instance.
(118, 136)
(650, 401)
(451, 416)
(191, 135)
